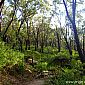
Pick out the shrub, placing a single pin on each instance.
(9, 56)
(68, 77)
(75, 54)
(34, 54)
(41, 66)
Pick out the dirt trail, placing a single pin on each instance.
(36, 82)
(11, 80)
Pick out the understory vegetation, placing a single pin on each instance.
(60, 69)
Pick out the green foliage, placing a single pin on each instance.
(63, 54)
(76, 64)
(8, 56)
(34, 54)
(75, 54)
(64, 77)
(50, 50)
(41, 66)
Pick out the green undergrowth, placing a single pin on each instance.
(45, 60)
(9, 56)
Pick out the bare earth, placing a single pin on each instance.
(36, 82)
(11, 80)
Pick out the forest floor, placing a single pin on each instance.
(6, 79)
(36, 82)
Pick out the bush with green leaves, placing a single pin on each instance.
(51, 50)
(36, 55)
(63, 54)
(9, 56)
(66, 77)
(42, 66)
(75, 54)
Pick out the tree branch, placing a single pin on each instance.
(67, 11)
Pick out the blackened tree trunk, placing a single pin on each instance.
(35, 40)
(27, 44)
(22, 21)
(28, 36)
(37, 37)
(83, 44)
(78, 44)
(58, 41)
(18, 37)
(42, 45)
(68, 46)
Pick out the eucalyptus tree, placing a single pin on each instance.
(14, 3)
(72, 20)
(31, 9)
(58, 12)
(22, 12)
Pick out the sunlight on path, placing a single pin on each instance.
(36, 82)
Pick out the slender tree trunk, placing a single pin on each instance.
(68, 46)
(42, 45)
(28, 36)
(78, 44)
(35, 40)
(37, 37)
(26, 44)
(0, 19)
(35, 44)
(58, 41)
(18, 37)
(67, 43)
(83, 44)
(1, 3)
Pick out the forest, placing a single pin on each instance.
(42, 42)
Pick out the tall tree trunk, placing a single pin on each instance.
(78, 44)
(35, 40)
(1, 3)
(81, 55)
(67, 44)
(58, 41)
(28, 36)
(37, 37)
(18, 37)
(41, 44)
(83, 44)
(27, 44)
(0, 19)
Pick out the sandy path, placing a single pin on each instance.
(36, 82)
